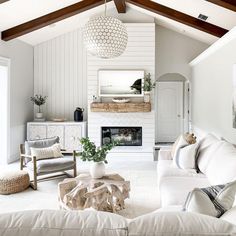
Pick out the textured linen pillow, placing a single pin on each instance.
(40, 143)
(213, 201)
(45, 153)
(186, 157)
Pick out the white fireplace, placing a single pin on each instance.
(140, 54)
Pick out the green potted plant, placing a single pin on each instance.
(148, 85)
(97, 155)
(39, 100)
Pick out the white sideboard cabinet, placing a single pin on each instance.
(69, 133)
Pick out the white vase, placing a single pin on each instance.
(39, 115)
(146, 97)
(97, 170)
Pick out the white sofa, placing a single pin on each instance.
(217, 164)
(92, 223)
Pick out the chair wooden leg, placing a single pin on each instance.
(75, 168)
(21, 163)
(35, 174)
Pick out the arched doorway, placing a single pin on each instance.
(172, 107)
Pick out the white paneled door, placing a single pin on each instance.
(169, 116)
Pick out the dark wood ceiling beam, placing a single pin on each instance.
(179, 16)
(120, 6)
(229, 4)
(2, 1)
(50, 18)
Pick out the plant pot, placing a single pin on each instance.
(146, 97)
(39, 115)
(97, 170)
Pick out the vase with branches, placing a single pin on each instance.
(96, 154)
(39, 100)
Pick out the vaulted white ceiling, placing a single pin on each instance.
(15, 12)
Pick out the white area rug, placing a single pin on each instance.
(141, 174)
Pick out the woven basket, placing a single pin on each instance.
(14, 182)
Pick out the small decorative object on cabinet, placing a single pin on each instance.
(78, 114)
(69, 133)
(39, 100)
(148, 85)
(97, 155)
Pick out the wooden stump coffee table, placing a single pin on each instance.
(105, 194)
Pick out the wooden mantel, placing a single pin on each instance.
(120, 107)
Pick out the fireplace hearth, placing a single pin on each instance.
(127, 136)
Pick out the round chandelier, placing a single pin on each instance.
(105, 36)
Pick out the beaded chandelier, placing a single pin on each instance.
(105, 36)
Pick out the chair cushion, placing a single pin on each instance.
(53, 165)
(40, 143)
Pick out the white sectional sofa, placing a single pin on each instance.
(217, 165)
(216, 162)
(92, 223)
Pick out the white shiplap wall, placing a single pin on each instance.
(139, 54)
(60, 73)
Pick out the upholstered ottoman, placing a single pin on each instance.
(14, 181)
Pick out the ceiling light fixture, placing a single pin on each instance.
(105, 36)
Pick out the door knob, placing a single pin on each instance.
(178, 115)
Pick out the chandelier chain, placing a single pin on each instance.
(105, 7)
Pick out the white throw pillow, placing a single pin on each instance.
(212, 201)
(206, 155)
(45, 153)
(186, 156)
(179, 223)
(221, 168)
(205, 145)
(181, 143)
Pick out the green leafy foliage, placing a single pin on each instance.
(148, 85)
(93, 153)
(39, 100)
